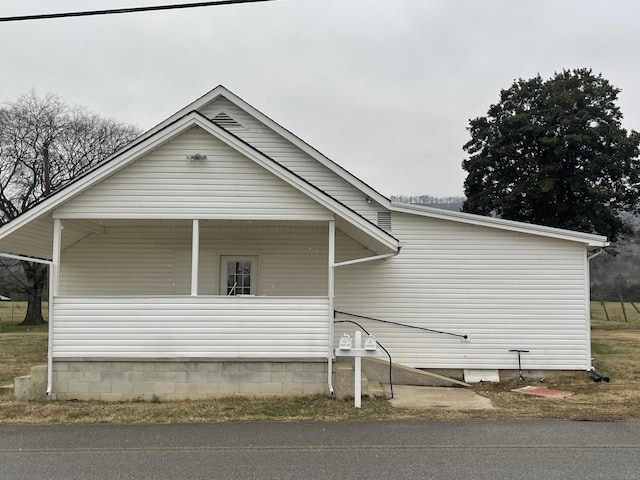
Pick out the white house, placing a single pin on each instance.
(209, 256)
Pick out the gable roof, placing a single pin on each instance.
(379, 240)
(221, 91)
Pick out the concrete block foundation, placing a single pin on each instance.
(157, 379)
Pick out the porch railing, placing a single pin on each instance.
(186, 326)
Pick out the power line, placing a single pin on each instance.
(114, 11)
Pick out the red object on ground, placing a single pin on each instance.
(543, 392)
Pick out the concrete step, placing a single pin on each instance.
(344, 379)
(375, 389)
(32, 387)
(6, 392)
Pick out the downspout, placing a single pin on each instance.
(331, 293)
(590, 366)
(332, 267)
(591, 257)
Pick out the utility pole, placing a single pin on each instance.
(46, 165)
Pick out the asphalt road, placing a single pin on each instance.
(318, 450)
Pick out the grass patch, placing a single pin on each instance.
(12, 313)
(25, 328)
(225, 409)
(18, 352)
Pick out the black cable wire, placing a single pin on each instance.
(386, 351)
(400, 324)
(153, 8)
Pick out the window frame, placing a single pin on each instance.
(253, 273)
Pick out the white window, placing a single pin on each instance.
(238, 275)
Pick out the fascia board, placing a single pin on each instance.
(510, 225)
(300, 184)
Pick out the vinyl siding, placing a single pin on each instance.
(504, 290)
(164, 184)
(179, 327)
(273, 145)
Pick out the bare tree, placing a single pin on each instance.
(44, 144)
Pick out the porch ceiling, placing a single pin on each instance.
(35, 239)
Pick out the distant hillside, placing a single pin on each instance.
(446, 203)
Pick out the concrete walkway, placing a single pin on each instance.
(449, 398)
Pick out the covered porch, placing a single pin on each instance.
(176, 295)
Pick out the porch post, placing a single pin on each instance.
(54, 277)
(195, 256)
(55, 265)
(331, 294)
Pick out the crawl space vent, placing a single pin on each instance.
(225, 121)
(384, 221)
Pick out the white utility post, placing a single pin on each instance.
(346, 349)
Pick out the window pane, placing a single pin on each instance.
(238, 273)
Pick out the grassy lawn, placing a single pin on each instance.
(12, 314)
(616, 314)
(20, 346)
(615, 345)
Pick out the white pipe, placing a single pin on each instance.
(331, 293)
(588, 306)
(590, 257)
(365, 259)
(54, 268)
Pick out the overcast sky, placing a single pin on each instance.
(385, 88)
